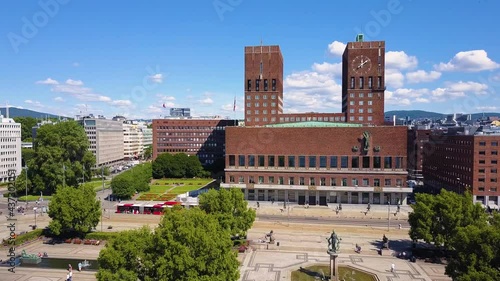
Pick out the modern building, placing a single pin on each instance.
(10, 148)
(180, 112)
(106, 139)
(204, 138)
(136, 137)
(465, 162)
(318, 163)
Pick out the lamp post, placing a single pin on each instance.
(389, 216)
(459, 186)
(100, 203)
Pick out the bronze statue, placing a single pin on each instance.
(366, 141)
(334, 242)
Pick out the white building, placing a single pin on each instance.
(10, 147)
(136, 137)
(106, 139)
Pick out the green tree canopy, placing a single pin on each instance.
(74, 210)
(61, 153)
(187, 245)
(436, 218)
(179, 165)
(27, 123)
(135, 179)
(230, 208)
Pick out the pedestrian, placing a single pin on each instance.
(392, 267)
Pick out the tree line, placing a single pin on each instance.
(178, 165)
(188, 244)
(135, 179)
(464, 230)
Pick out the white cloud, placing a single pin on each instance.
(311, 91)
(394, 78)
(470, 61)
(391, 98)
(48, 81)
(400, 60)
(34, 103)
(488, 108)
(333, 68)
(156, 78)
(336, 48)
(420, 76)
(74, 82)
(469, 86)
(121, 103)
(165, 98)
(59, 99)
(405, 97)
(206, 101)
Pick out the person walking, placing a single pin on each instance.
(392, 267)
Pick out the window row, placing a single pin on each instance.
(257, 119)
(492, 188)
(361, 95)
(312, 118)
(292, 161)
(264, 104)
(493, 143)
(257, 85)
(361, 118)
(315, 181)
(257, 97)
(492, 152)
(362, 82)
(361, 110)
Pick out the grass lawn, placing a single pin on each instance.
(33, 198)
(184, 189)
(164, 189)
(345, 273)
(159, 188)
(197, 182)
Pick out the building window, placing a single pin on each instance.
(333, 182)
(370, 110)
(291, 161)
(241, 160)
(265, 85)
(232, 160)
(360, 118)
(351, 95)
(366, 162)
(322, 181)
(351, 118)
(370, 102)
(261, 160)
(494, 161)
(257, 85)
(249, 104)
(270, 161)
(333, 161)
(399, 162)
(351, 110)
(344, 182)
(273, 97)
(271, 179)
(354, 182)
(281, 180)
(257, 104)
(264, 97)
(251, 179)
(494, 170)
(370, 118)
(481, 188)
(366, 182)
(352, 83)
(370, 95)
(399, 182)
(370, 82)
(249, 85)
(249, 97)
(355, 162)
(312, 181)
(251, 160)
(273, 84)
(388, 182)
(361, 82)
(281, 161)
(241, 179)
(482, 143)
(360, 110)
(376, 182)
(361, 102)
(256, 111)
(481, 171)
(291, 181)
(302, 161)
(261, 179)
(231, 178)
(322, 161)
(482, 152)
(344, 161)
(312, 161)
(494, 152)
(494, 143)
(388, 162)
(351, 102)
(379, 82)
(301, 181)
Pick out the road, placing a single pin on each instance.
(334, 221)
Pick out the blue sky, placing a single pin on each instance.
(131, 57)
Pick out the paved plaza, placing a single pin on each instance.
(301, 244)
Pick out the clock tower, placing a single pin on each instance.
(363, 83)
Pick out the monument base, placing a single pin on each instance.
(333, 265)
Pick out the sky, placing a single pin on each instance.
(130, 58)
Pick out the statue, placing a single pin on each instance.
(333, 243)
(366, 141)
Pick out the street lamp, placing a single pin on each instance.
(100, 203)
(459, 186)
(389, 216)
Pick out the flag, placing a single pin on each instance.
(234, 105)
(164, 106)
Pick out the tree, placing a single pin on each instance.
(27, 123)
(122, 186)
(437, 218)
(148, 152)
(230, 208)
(187, 245)
(179, 165)
(74, 210)
(61, 152)
(135, 179)
(27, 155)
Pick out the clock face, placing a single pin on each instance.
(361, 64)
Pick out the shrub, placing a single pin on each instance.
(32, 235)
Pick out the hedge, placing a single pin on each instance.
(101, 235)
(32, 235)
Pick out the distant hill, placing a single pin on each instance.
(421, 114)
(21, 112)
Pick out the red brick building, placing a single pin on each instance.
(318, 163)
(201, 137)
(465, 162)
(418, 145)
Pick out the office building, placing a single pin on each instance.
(10, 147)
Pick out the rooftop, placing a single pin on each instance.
(311, 124)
